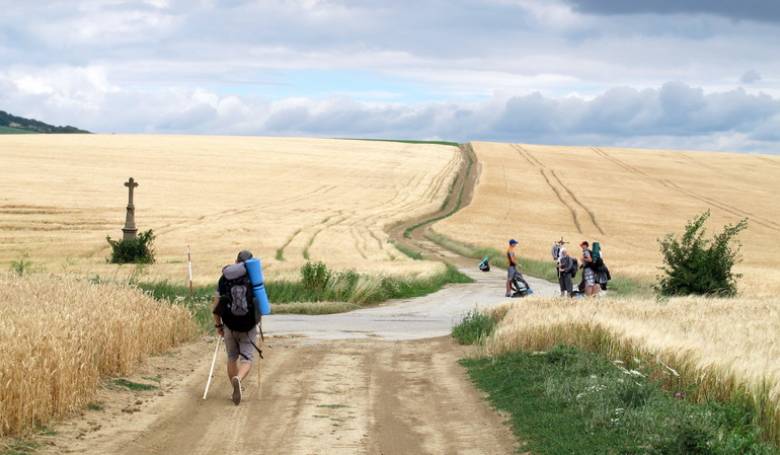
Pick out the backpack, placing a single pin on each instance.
(485, 264)
(238, 311)
(575, 265)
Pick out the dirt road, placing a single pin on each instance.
(371, 381)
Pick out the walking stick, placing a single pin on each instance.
(211, 371)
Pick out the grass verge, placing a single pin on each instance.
(416, 255)
(332, 293)
(571, 401)
(405, 141)
(358, 289)
(408, 231)
(621, 286)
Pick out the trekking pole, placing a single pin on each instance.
(211, 371)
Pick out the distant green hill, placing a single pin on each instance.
(11, 124)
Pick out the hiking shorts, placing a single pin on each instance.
(511, 272)
(239, 344)
(589, 276)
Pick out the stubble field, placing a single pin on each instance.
(289, 200)
(625, 198)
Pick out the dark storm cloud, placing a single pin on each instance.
(756, 10)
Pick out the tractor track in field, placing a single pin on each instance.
(736, 211)
(537, 164)
(587, 210)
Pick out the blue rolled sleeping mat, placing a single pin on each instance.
(255, 269)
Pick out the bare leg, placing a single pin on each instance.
(243, 369)
(232, 368)
(508, 286)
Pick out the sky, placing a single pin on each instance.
(687, 74)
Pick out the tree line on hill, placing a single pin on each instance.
(25, 124)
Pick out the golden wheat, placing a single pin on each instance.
(285, 199)
(723, 346)
(625, 198)
(59, 335)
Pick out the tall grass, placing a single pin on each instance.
(708, 349)
(59, 335)
(361, 289)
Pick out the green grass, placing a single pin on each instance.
(416, 255)
(359, 289)
(344, 291)
(567, 401)
(474, 328)
(199, 303)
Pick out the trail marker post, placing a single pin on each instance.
(189, 269)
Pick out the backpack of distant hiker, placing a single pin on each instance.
(485, 264)
(575, 265)
(237, 299)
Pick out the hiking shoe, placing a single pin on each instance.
(236, 390)
(530, 291)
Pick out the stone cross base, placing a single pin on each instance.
(129, 234)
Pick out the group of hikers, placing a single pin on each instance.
(595, 274)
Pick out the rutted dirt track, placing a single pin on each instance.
(346, 397)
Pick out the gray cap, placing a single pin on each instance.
(244, 255)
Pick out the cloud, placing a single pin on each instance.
(750, 77)
(674, 114)
(756, 10)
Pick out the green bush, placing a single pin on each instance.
(695, 265)
(315, 277)
(137, 250)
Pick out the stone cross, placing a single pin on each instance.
(130, 230)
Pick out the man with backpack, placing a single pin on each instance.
(236, 318)
(512, 272)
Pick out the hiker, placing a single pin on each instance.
(236, 318)
(512, 272)
(600, 268)
(588, 274)
(566, 268)
(555, 251)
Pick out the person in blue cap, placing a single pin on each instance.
(512, 272)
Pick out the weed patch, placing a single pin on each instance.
(474, 327)
(130, 385)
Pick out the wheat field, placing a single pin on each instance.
(288, 200)
(625, 198)
(717, 344)
(60, 334)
